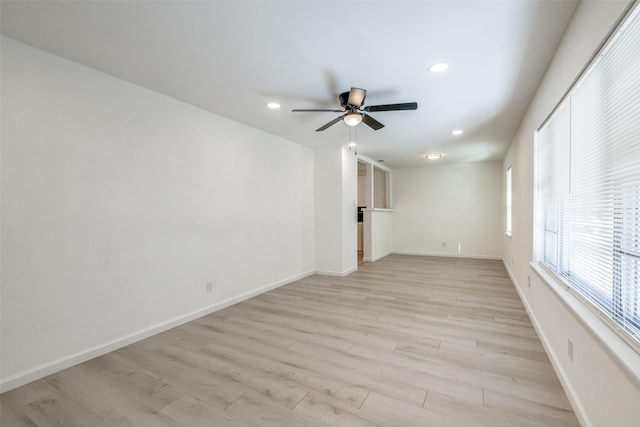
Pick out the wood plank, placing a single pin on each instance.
(332, 412)
(57, 410)
(213, 389)
(11, 414)
(392, 412)
(529, 409)
(192, 412)
(105, 401)
(297, 373)
(259, 411)
(133, 381)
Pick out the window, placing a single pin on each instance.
(588, 199)
(508, 202)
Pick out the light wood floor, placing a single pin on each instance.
(406, 341)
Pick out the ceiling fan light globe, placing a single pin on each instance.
(352, 119)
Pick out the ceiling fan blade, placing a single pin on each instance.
(371, 122)
(331, 123)
(356, 97)
(392, 107)
(307, 110)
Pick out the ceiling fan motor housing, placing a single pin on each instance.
(344, 101)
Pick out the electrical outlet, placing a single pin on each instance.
(209, 287)
(570, 349)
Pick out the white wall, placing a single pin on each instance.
(328, 210)
(378, 232)
(454, 204)
(602, 381)
(119, 204)
(349, 211)
(336, 217)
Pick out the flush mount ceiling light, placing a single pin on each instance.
(439, 67)
(352, 119)
(273, 105)
(434, 155)
(456, 132)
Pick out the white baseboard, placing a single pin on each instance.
(44, 370)
(446, 255)
(376, 258)
(578, 409)
(336, 273)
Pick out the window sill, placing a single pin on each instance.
(625, 354)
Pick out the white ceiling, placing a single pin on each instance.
(231, 57)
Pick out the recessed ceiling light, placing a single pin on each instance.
(439, 67)
(273, 105)
(456, 132)
(434, 155)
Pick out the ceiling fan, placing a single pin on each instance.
(354, 113)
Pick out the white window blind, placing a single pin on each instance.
(589, 183)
